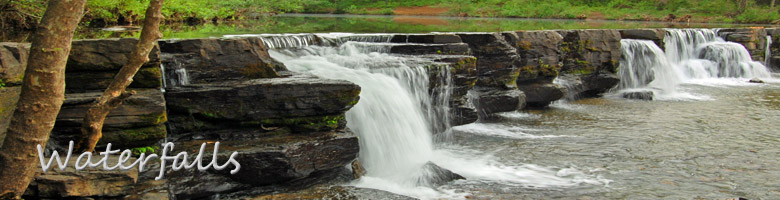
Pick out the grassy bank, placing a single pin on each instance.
(124, 12)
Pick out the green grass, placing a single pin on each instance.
(119, 11)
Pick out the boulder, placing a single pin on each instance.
(13, 61)
(89, 182)
(434, 176)
(214, 60)
(639, 95)
(498, 64)
(422, 49)
(301, 102)
(138, 122)
(462, 111)
(540, 54)
(592, 55)
(426, 38)
(541, 94)
(105, 55)
(495, 100)
(756, 80)
(655, 35)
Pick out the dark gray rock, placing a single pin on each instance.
(215, 60)
(495, 100)
(639, 95)
(498, 64)
(301, 102)
(434, 175)
(541, 95)
(463, 112)
(105, 55)
(86, 81)
(440, 49)
(426, 38)
(138, 122)
(593, 56)
(655, 35)
(13, 61)
(540, 54)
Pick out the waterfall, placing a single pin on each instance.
(681, 44)
(768, 51)
(404, 102)
(395, 136)
(288, 40)
(691, 54)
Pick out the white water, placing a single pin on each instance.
(692, 56)
(396, 118)
(768, 51)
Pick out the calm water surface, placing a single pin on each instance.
(318, 23)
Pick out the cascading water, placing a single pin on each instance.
(691, 54)
(768, 51)
(398, 113)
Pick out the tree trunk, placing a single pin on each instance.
(113, 96)
(43, 91)
(772, 5)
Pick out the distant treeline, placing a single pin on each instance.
(19, 14)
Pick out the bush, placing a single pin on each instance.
(758, 16)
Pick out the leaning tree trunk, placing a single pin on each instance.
(43, 92)
(113, 96)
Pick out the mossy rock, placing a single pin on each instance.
(134, 137)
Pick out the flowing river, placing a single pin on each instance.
(708, 134)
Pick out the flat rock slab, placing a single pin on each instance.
(302, 102)
(89, 182)
(105, 54)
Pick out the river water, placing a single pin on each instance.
(723, 147)
(710, 134)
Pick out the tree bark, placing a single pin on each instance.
(113, 96)
(43, 91)
(772, 5)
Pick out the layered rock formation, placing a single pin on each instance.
(590, 60)
(290, 128)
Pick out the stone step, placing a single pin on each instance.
(301, 102)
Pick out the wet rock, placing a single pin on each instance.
(84, 81)
(439, 49)
(357, 169)
(498, 64)
(277, 161)
(753, 39)
(592, 55)
(639, 95)
(105, 55)
(541, 95)
(89, 182)
(13, 61)
(463, 112)
(301, 102)
(492, 100)
(463, 71)
(756, 80)
(433, 175)
(540, 54)
(597, 84)
(289, 157)
(137, 122)
(214, 60)
(426, 38)
(655, 35)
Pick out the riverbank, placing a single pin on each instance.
(22, 15)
